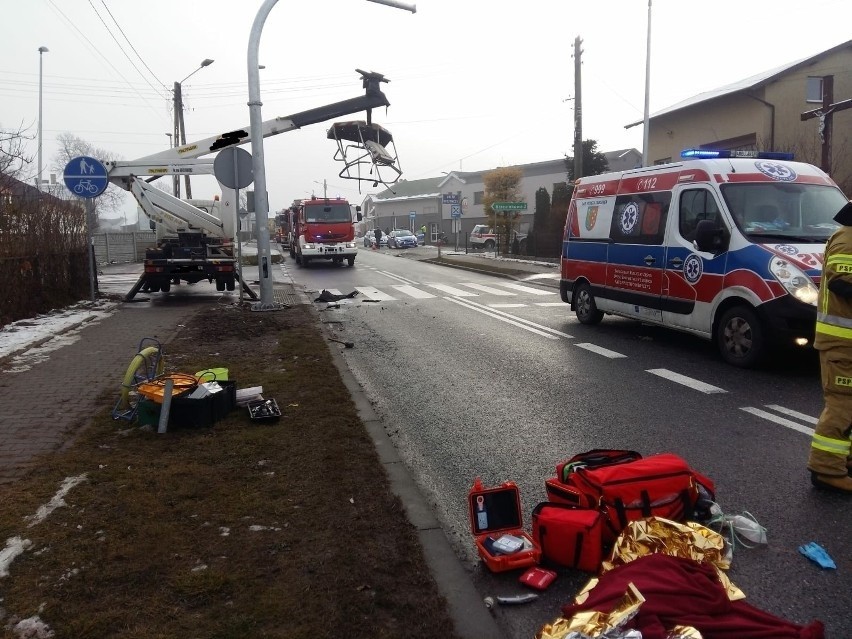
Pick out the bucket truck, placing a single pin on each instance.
(195, 239)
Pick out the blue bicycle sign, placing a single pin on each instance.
(85, 176)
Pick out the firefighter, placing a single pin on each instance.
(830, 458)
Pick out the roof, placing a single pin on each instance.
(753, 82)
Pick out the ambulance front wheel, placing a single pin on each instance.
(585, 306)
(740, 337)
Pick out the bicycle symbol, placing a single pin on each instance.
(85, 185)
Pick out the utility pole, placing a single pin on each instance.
(646, 133)
(178, 109)
(183, 140)
(578, 111)
(826, 116)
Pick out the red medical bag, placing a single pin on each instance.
(569, 536)
(496, 513)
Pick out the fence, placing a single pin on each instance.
(123, 247)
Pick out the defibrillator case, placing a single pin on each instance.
(495, 512)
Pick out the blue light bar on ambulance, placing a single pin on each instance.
(708, 154)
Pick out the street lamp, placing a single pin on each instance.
(180, 130)
(41, 52)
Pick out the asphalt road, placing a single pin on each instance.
(477, 376)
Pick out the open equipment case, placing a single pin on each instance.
(496, 513)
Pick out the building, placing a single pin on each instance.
(410, 204)
(764, 112)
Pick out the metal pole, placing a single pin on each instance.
(261, 206)
(41, 52)
(645, 122)
(90, 213)
(239, 222)
(178, 105)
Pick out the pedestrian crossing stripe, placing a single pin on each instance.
(527, 289)
(452, 290)
(413, 291)
(488, 289)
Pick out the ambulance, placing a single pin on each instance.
(725, 245)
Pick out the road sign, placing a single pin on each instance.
(450, 198)
(85, 177)
(233, 168)
(412, 215)
(509, 206)
(455, 210)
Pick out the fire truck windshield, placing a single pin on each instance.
(329, 213)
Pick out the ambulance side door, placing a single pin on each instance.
(693, 279)
(636, 260)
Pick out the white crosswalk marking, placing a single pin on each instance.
(527, 289)
(793, 413)
(374, 294)
(550, 304)
(414, 292)
(452, 290)
(488, 289)
(334, 291)
(506, 305)
(600, 350)
(781, 420)
(685, 381)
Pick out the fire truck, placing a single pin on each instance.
(323, 229)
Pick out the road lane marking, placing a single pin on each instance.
(494, 314)
(517, 305)
(600, 350)
(452, 290)
(793, 413)
(414, 292)
(778, 420)
(515, 318)
(374, 294)
(685, 381)
(549, 303)
(488, 289)
(527, 289)
(398, 277)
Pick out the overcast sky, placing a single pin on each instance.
(474, 84)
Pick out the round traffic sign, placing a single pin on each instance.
(233, 168)
(85, 176)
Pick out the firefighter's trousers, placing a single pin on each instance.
(831, 448)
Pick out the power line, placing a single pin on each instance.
(123, 52)
(106, 59)
(154, 75)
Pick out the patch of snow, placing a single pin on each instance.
(33, 628)
(56, 501)
(14, 546)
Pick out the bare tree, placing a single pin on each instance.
(13, 158)
(71, 146)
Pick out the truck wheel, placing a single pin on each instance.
(489, 245)
(351, 261)
(166, 287)
(230, 285)
(584, 305)
(739, 337)
(298, 257)
(220, 285)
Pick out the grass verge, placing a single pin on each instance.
(245, 529)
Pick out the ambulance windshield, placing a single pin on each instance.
(797, 212)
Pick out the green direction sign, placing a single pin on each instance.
(509, 206)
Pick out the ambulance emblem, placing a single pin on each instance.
(693, 267)
(786, 249)
(776, 171)
(591, 217)
(628, 218)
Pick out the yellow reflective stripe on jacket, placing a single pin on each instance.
(833, 446)
(836, 331)
(844, 260)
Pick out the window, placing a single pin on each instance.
(478, 197)
(813, 90)
(663, 161)
(640, 218)
(697, 205)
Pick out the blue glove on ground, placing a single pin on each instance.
(815, 552)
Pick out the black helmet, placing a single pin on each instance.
(844, 215)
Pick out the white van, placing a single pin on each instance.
(726, 245)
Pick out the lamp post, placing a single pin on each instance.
(41, 52)
(261, 203)
(180, 130)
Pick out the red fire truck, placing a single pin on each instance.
(323, 229)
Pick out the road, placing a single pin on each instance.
(477, 376)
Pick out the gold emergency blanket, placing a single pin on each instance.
(653, 535)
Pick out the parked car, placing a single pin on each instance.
(484, 237)
(402, 238)
(370, 239)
